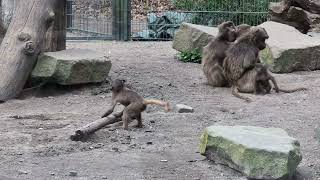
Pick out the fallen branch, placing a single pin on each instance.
(89, 129)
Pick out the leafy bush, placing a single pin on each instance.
(193, 56)
(213, 12)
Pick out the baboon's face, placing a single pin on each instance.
(228, 31)
(260, 37)
(232, 34)
(262, 73)
(117, 85)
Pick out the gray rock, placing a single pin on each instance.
(181, 108)
(259, 153)
(191, 36)
(72, 66)
(289, 50)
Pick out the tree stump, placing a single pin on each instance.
(23, 42)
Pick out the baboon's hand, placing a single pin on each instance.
(106, 114)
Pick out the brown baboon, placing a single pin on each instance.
(133, 102)
(244, 54)
(257, 81)
(214, 53)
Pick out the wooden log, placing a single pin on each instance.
(89, 129)
(23, 42)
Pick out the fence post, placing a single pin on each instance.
(69, 14)
(121, 20)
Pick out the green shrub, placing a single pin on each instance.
(193, 56)
(213, 12)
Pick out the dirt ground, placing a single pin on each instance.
(35, 131)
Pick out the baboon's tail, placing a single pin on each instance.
(166, 105)
(235, 92)
(292, 90)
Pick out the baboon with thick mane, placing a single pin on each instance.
(244, 54)
(133, 102)
(214, 54)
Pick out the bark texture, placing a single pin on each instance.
(23, 42)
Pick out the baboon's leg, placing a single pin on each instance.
(125, 120)
(273, 80)
(139, 119)
(235, 92)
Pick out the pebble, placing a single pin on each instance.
(73, 173)
(23, 172)
(181, 108)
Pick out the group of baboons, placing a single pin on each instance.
(232, 60)
(229, 60)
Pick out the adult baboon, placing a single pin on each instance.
(244, 54)
(133, 102)
(214, 54)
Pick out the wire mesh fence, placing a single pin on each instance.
(89, 19)
(158, 19)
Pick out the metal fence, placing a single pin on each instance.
(156, 19)
(89, 19)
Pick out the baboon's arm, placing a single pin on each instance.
(249, 60)
(110, 110)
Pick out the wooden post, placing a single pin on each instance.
(121, 17)
(23, 42)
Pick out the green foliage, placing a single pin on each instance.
(193, 56)
(213, 12)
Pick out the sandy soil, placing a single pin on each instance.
(35, 131)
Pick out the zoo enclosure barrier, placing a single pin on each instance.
(155, 19)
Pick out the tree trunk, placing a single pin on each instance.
(56, 35)
(23, 42)
(7, 8)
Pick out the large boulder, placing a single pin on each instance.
(259, 153)
(289, 50)
(301, 14)
(71, 66)
(191, 36)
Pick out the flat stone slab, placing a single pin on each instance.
(289, 50)
(192, 36)
(259, 153)
(71, 66)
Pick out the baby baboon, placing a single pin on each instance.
(257, 81)
(214, 53)
(133, 102)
